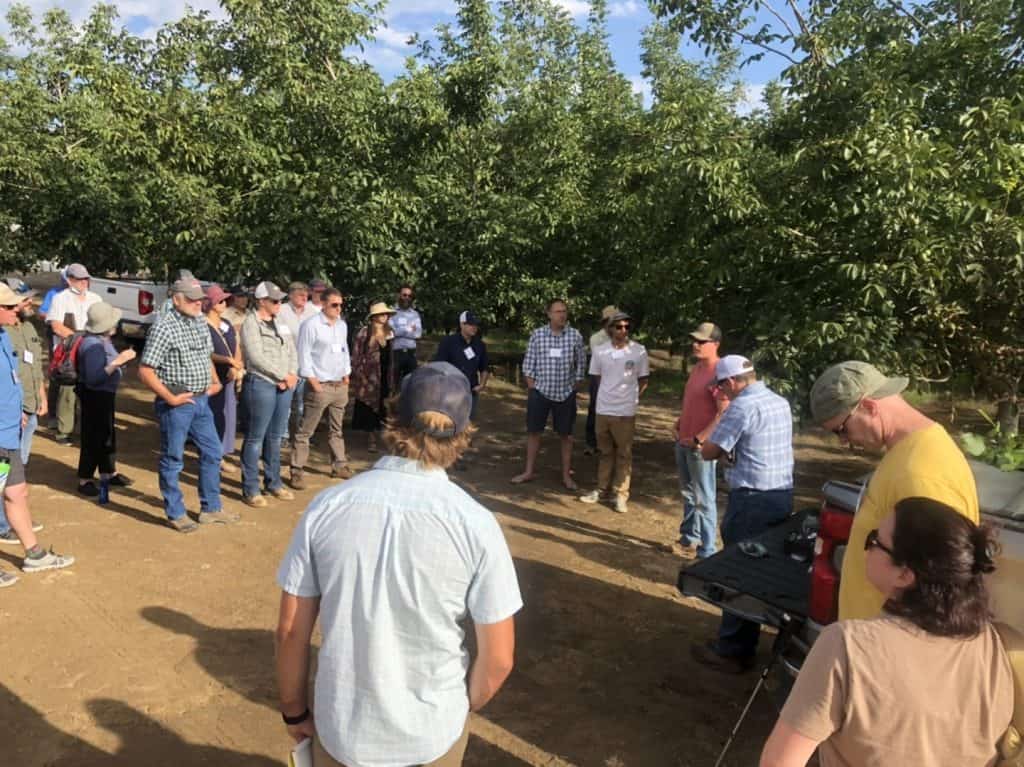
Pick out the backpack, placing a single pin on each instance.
(64, 361)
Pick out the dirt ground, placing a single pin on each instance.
(156, 649)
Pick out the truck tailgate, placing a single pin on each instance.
(757, 589)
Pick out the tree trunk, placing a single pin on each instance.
(1008, 416)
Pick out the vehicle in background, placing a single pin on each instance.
(138, 300)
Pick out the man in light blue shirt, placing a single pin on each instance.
(325, 365)
(392, 562)
(408, 327)
(756, 430)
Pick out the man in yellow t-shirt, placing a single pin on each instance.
(864, 408)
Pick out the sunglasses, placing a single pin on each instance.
(335, 305)
(840, 430)
(622, 326)
(701, 342)
(872, 542)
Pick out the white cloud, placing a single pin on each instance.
(393, 38)
(574, 7)
(753, 98)
(397, 8)
(642, 87)
(154, 13)
(626, 9)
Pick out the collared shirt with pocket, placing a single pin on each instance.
(178, 348)
(269, 349)
(555, 361)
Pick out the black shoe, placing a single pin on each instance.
(63, 439)
(120, 480)
(706, 655)
(89, 489)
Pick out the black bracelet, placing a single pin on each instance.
(293, 720)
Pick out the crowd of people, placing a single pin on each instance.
(390, 588)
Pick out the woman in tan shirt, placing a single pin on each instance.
(928, 683)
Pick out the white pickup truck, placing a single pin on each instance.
(139, 302)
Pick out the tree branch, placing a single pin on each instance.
(780, 17)
(898, 7)
(748, 39)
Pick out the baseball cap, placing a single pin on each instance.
(215, 294)
(842, 386)
(469, 317)
(191, 289)
(8, 297)
(440, 387)
(293, 286)
(618, 317)
(20, 287)
(77, 272)
(707, 331)
(732, 365)
(315, 285)
(267, 289)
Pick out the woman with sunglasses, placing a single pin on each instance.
(928, 682)
(227, 360)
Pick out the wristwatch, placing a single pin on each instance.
(697, 442)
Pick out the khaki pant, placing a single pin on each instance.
(615, 441)
(452, 759)
(333, 397)
(67, 400)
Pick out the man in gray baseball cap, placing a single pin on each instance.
(864, 408)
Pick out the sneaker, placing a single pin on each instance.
(7, 579)
(183, 524)
(620, 505)
(256, 501)
(63, 439)
(88, 489)
(342, 472)
(48, 561)
(120, 480)
(297, 479)
(594, 496)
(218, 518)
(11, 537)
(282, 494)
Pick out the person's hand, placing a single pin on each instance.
(345, 380)
(236, 363)
(125, 357)
(214, 389)
(43, 408)
(302, 730)
(290, 380)
(24, 420)
(177, 400)
(721, 403)
(315, 385)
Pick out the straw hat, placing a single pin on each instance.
(102, 318)
(379, 308)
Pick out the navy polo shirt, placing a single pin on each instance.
(470, 358)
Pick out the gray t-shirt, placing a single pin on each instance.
(399, 556)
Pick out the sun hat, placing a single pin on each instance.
(214, 295)
(102, 318)
(469, 317)
(20, 287)
(77, 272)
(439, 387)
(191, 289)
(379, 308)
(267, 289)
(707, 331)
(8, 297)
(732, 365)
(838, 390)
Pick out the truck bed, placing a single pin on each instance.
(758, 589)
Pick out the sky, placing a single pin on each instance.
(627, 19)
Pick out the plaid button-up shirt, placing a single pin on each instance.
(178, 348)
(758, 426)
(555, 362)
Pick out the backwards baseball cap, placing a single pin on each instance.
(732, 365)
(77, 272)
(469, 317)
(191, 289)
(838, 390)
(439, 387)
(267, 289)
(707, 331)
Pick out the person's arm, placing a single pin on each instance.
(786, 748)
(57, 311)
(643, 385)
(152, 381)
(580, 361)
(304, 351)
(215, 385)
(725, 435)
(496, 644)
(296, 619)
(417, 327)
(43, 408)
(255, 360)
(530, 362)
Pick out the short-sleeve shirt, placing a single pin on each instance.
(178, 348)
(555, 361)
(926, 463)
(758, 427)
(620, 371)
(29, 349)
(10, 395)
(399, 555)
(469, 357)
(883, 692)
(699, 407)
(65, 303)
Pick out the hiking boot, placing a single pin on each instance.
(342, 472)
(11, 537)
(183, 524)
(620, 505)
(48, 561)
(7, 579)
(218, 518)
(256, 501)
(594, 496)
(298, 481)
(282, 494)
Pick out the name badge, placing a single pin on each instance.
(402, 322)
(337, 348)
(29, 357)
(225, 326)
(284, 330)
(468, 351)
(555, 352)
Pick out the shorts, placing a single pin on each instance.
(17, 473)
(563, 414)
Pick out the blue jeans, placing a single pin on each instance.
(298, 407)
(26, 449)
(700, 508)
(194, 421)
(268, 409)
(749, 513)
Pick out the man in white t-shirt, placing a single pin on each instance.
(392, 562)
(621, 370)
(68, 314)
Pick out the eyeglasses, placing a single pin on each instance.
(622, 326)
(335, 306)
(840, 430)
(872, 542)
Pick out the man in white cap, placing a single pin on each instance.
(863, 407)
(177, 366)
(757, 432)
(392, 562)
(68, 314)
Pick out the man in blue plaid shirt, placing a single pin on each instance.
(756, 430)
(554, 366)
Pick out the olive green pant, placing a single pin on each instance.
(451, 759)
(67, 400)
(615, 466)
